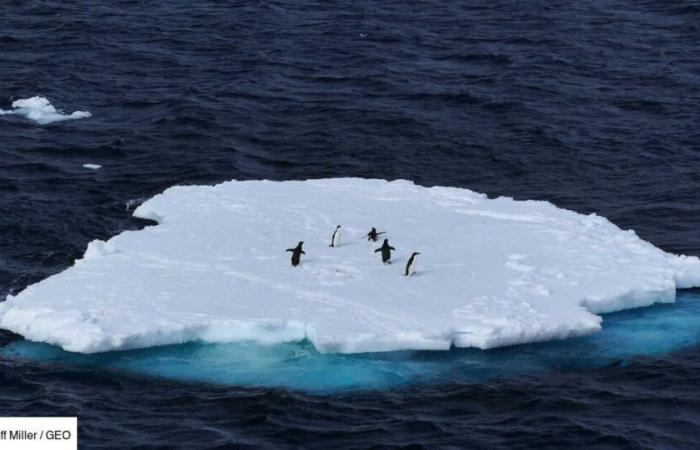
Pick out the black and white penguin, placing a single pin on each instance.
(335, 239)
(372, 235)
(296, 253)
(386, 251)
(412, 264)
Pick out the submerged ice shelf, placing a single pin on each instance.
(494, 272)
(626, 336)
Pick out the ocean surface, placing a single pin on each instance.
(593, 105)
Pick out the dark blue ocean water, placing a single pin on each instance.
(593, 104)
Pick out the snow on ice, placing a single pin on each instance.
(493, 272)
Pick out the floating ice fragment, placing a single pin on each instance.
(41, 111)
(494, 272)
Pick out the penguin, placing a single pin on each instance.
(296, 253)
(372, 235)
(386, 251)
(335, 239)
(411, 264)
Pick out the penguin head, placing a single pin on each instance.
(301, 243)
(337, 227)
(415, 253)
(386, 241)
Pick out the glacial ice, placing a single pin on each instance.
(493, 272)
(41, 111)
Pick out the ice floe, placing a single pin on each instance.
(41, 111)
(493, 272)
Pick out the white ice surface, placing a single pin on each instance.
(493, 272)
(92, 166)
(41, 111)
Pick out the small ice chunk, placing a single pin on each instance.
(41, 111)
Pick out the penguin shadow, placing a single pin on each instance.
(395, 264)
(420, 273)
(306, 261)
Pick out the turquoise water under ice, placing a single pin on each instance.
(634, 333)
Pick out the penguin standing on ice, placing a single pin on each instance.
(372, 235)
(412, 264)
(335, 239)
(296, 253)
(386, 251)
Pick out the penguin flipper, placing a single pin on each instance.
(289, 250)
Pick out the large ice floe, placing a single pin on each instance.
(493, 272)
(41, 111)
